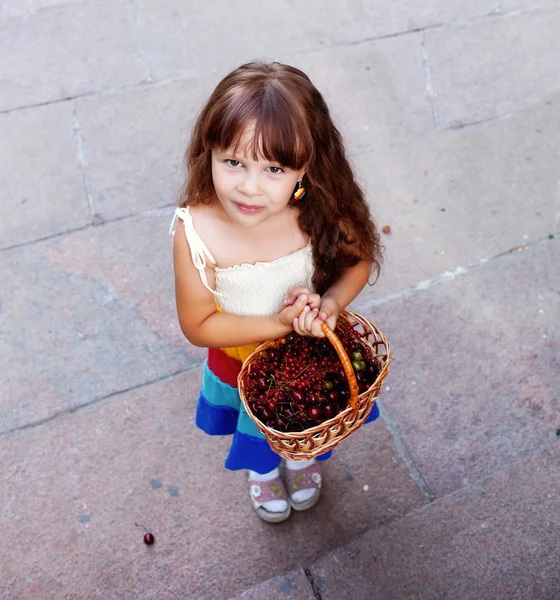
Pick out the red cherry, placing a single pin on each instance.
(329, 410)
(314, 412)
(149, 539)
(297, 395)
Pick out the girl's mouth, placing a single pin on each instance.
(248, 210)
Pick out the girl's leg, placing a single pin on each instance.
(300, 495)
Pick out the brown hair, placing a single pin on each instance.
(292, 127)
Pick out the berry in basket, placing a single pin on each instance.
(300, 382)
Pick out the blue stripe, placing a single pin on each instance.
(215, 420)
(373, 414)
(248, 452)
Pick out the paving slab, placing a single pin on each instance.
(18, 8)
(74, 487)
(476, 373)
(178, 41)
(86, 315)
(497, 539)
(42, 181)
(68, 50)
(134, 141)
(376, 91)
(501, 74)
(458, 198)
(291, 586)
(506, 6)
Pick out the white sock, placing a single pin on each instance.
(272, 505)
(300, 495)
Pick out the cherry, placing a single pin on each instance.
(149, 538)
(332, 396)
(329, 410)
(314, 412)
(297, 395)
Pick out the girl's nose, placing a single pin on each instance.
(250, 186)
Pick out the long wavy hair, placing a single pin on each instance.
(293, 127)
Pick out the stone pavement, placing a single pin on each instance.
(451, 111)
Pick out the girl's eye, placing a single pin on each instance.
(232, 163)
(276, 170)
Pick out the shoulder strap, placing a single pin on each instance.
(199, 251)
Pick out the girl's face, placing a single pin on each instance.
(251, 191)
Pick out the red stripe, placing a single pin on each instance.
(223, 366)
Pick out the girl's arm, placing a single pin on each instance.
(204, 325)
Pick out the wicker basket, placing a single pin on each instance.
(312, 442)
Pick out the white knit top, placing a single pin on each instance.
(248, 289)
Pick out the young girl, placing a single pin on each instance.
(272, 219)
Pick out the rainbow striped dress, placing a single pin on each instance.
(248, 290)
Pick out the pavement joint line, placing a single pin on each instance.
(94, 401)
(147, 81)
(140, 40)
(429, 85)
(450, 275)
(97, 222)
(406, 455)
(81, 159)
(312, 583)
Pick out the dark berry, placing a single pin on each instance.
(149, 539)
(314, 412)
(329, 410)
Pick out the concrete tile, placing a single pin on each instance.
(525, 5)
(458, 198)
(87, 315)
(18, 8)
(501, 74)
(476, 373)
(376, 91)
(179, 41)
(74, 487)
(42, 182)
(290, 586)
(98, 49)
(133, 144)
(494, 540)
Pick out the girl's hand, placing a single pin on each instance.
(310, 321)
(313, 300)
(292, 311)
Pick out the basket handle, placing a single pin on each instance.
(347, 365)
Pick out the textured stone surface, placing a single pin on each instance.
(42, 181)
(66, 51)
(73, 489)
(498, 539)
(290, 586)
(376, 91)
(17, 8)
(134, 142)
(501, 74)
(178, 41)
(477, 373)
(457, 198)
(86, 315)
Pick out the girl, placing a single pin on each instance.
(272, 218)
